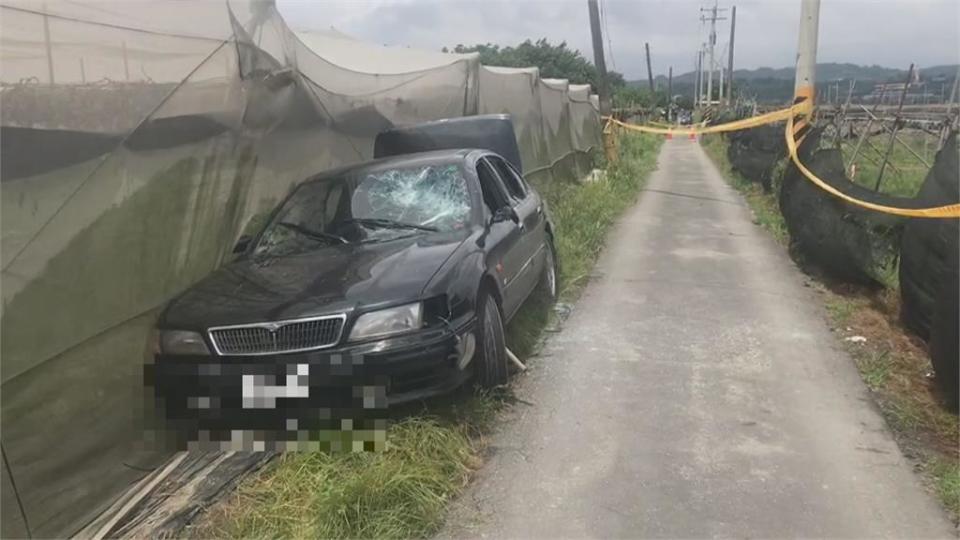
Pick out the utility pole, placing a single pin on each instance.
(720, 86)
(703, 76)
(669, 94)
(126, 61)
(47, 46)
(698, 87)
(598, 60)
(713, 43)
(805, 79)
(711, 63)
(733, 28)
(649, 69)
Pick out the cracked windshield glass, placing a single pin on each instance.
(370, 207)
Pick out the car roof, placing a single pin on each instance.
(434, 157)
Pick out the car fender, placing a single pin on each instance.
(461, 274)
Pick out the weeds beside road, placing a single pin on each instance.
(892, 362)
(403, 491)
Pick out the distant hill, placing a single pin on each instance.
(776, 84)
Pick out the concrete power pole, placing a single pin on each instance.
(703, 78)
(713, 43)
(649, 69)
(720, 86)
(598, 60)
(669, 93)
(698, 90)
(711, 63)
(733, 28)
(806, 77)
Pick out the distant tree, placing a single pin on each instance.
(638, 96)
(684, 102)
(554, 61)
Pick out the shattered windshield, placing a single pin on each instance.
(369, 206)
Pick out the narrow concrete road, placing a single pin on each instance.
(695, 391)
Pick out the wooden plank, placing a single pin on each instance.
(165, 501)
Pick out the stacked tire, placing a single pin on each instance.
(846, 242)
(929, 276)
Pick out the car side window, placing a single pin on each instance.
(494, 195)
(519, 176)
(511, 179)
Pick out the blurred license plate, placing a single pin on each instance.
(261, 391)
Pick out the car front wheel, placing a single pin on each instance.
(491, 346)
(549, 277)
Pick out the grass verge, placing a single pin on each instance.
(892, 362)
(403, 491)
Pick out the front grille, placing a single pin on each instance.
(278, 337)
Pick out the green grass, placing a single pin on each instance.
(905, 173)
(403, 491)
(888, 272)
(766, 209)
(875, 368)
(947, 476)
(840, 309)
(396, 493)
(902, 415)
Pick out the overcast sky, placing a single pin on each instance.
(891, 33)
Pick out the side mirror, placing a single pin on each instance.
(242, 244)
(505, 213)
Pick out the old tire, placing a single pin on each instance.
(944, 330)
(549, 283)
(491, 369)
(944, 348)
(928, 252)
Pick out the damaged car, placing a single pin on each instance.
(394, 276)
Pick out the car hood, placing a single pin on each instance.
(333, 279)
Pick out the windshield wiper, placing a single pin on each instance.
(390, 224)
(312, 233)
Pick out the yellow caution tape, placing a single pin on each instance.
(804, 108)
(801, 110)
(746, 123)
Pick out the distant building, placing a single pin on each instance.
(917, 93)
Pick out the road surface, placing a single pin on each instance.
(695, 391)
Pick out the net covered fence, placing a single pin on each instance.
(139, 142)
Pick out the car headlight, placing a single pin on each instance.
(182, 342)
(388, 322)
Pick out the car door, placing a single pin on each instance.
(529, 209)
(504, 237)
